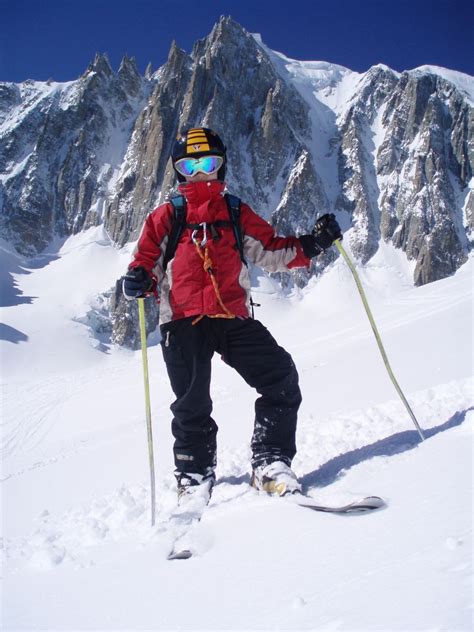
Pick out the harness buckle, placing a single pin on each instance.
(203, 242)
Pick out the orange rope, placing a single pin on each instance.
(207, 264)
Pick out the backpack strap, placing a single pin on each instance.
(233, 206)
(179, 222)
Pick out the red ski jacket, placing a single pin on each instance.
(187, 289)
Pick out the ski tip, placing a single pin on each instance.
(369, 503)
(374, 501)
(363, 505)
(184, 554)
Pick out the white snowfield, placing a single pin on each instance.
(79, 551)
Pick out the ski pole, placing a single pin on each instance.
(141, 317)
(377, 336)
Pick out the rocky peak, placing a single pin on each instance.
(129, 76)
(226, 28)
(128, 66)
(229, 40)
(177, 58)
(378, 83)
(100, 65)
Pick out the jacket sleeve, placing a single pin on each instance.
(151, 246)
(264, 248)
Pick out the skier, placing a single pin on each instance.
(205, 307)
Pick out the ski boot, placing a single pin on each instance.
(275, 478)
(194, 488)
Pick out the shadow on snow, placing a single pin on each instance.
(10, 334)
(11, 266)
(395, 444)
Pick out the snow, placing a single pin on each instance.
(463, 82)
(78, 548)
(329, 84)
(335, 85)
(468, 192)
(31, 94)
(13, 169)
(327, 89)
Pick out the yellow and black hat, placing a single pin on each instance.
(197, 142)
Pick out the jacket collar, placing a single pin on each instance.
(200, 192)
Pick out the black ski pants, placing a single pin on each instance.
(248, 347)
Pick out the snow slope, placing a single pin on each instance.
(79, 552)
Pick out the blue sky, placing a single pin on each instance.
(42, 39)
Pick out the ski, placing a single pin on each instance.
(363, 505)
(183, 523)
(183, 554)
(194, 493)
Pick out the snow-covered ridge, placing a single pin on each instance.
(462, 81)
(324, 76)
(330, 83)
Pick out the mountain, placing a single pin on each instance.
(391, 154)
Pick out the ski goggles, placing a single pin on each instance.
(206, 164)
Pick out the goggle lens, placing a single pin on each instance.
(206, 164)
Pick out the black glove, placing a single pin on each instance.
(136, 283)
(325, 232)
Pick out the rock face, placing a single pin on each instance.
(409, 187)
(426, 161)
(391, 154)
(62, 146)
